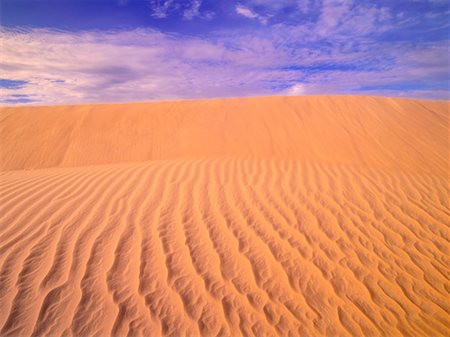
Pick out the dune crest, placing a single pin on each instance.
(402, 134)
(277, 216)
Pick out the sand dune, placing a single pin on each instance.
(377, 132)
(300, 216)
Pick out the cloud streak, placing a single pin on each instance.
(248, 13)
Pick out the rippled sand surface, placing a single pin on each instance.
(277, 216)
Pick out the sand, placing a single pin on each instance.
(276, 216)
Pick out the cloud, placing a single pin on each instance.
(344, 54)
(193, 11)
(188, 10)
(161, 8)
(96, 66)
(297, 89)
(248, 13)
(349, 17)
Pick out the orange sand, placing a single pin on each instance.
(276, 216)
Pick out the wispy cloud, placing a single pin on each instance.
(193, 11)
(297, 89)
(132, 65)
(188, 10)
(349, 48)
(248, 13)
(161, 8)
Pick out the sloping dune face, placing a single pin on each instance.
(299, 216)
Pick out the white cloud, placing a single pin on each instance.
(188, 10)
(142, 64)
(193, 11)
(297, 89)
(63, 67)
(160, 8)
(248, 13)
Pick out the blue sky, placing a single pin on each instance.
(95, 51)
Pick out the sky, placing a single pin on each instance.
(99, 51)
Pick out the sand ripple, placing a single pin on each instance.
(224, 247)
(300, 216)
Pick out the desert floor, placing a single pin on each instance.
(275, 216)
